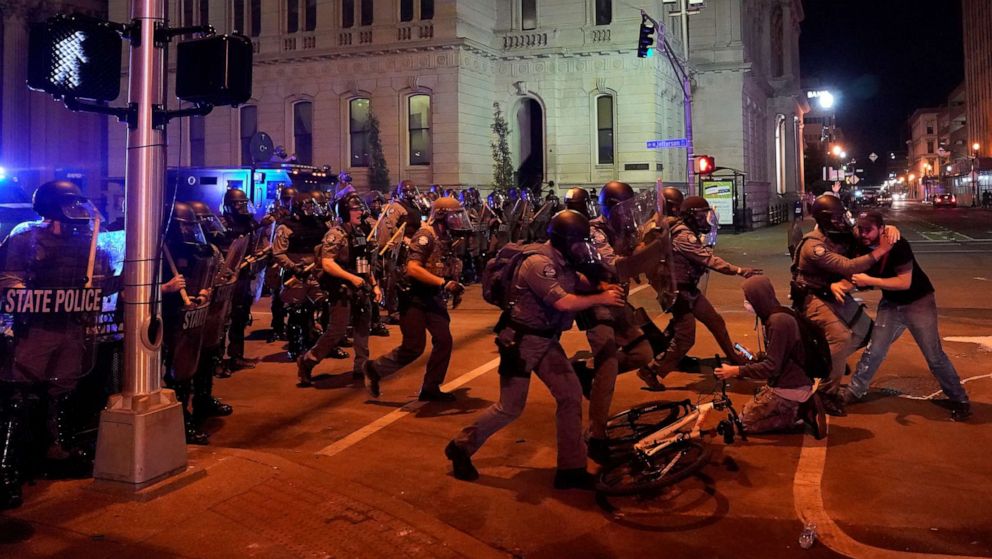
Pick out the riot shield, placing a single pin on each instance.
(628, 220)
(661, 276)
(185, 316)
(53, 280)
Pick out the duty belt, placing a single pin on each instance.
(524, 330)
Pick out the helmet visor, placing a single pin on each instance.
(212, 226)
(458, 221)
(583, 252)
(77, 208)
(191, 233)
(241, 207)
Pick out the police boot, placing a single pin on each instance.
(296, 332)
(204, 403)
(11, 449)
(193, 433)
(378, 328)
(64, 458)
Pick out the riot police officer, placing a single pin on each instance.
(239, 221)
(293, 249)
(579, 200)
(545, 301)
(46, 350)
(275, 214)
(691, 260)
(824, 258)
(423, 305)
(673, 199)
(402, 213)
(191, 265)
(223, 287)
(351, 287)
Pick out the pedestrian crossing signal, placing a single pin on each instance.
(646, 39)
(75, 57)
(705, 165)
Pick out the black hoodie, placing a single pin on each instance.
(782, 362)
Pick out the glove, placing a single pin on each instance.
(454, 287)
(748, 272)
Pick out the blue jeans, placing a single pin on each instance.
(920, 318)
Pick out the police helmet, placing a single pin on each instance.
(612, 194)
(62, 200)
(831, 216)
(236, 203)
(286, 195)
(568, 232)
(304, 207)
(406, 191)
(350, 203)
(452, 214)
(184, 226)
(211, 225)
(578, 199)
(696, 214)
(673, 200)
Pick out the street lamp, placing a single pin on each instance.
(974, 173)
(837, 150)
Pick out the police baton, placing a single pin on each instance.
(392, 241)
(92, 261)
(375, 228)
(295, 280)
(175, 273)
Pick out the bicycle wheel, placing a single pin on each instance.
(631, 425)
(665, 468)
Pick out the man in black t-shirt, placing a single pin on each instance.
(907, 304)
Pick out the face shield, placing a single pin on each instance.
(458, 221)
(628, 219)
(78, 208)
(190, 233)
(241, 208)
(212, 226)
(583, 253)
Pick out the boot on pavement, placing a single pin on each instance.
(811, 412)
(461, 462)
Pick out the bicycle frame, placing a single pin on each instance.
(676, 432)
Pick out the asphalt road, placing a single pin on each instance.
(894, 477)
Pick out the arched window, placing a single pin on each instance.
(780, 164)
(248, 119)
(238, 15)
(366, 14)
(419, 129)
(604, 130)
(406, 10)
(292, 16)
(256, 18)
(604, 12)
(303, 131)
(197, 141)
(358, 132)
(528, 14)
(310, 22)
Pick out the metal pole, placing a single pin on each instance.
(141, 437)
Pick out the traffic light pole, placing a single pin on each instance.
(141, 437)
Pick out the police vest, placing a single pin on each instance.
(305, 237)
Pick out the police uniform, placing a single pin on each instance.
(529, 342)
(608, 330)
(821, 262)
(423, 309)
(275, 214)
(347, 246)
(242, 295)
(690, 261)
(294, 249)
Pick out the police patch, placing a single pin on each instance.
(549, 271)
(598, 236)
(422, 241)
(819, 250)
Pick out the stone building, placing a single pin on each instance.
(924, 166)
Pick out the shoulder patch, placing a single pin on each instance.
(423, 240)
(819, 250)
(549, 271)
(597, 235)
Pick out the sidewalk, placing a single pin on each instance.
(229, 503)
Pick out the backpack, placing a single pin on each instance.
(497, 278)
(816, 349)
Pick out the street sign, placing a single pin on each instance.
(853, 179)
(873, 157)
(668, 144)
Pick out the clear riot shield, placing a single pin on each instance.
(540, 220)
(223, 292)
(629, 218)
(54, 281)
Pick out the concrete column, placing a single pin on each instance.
(15, 142)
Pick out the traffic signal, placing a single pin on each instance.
(75, 57)
(705, 165)
(214, 70)
(646, 39)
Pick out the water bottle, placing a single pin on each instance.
(807, 536)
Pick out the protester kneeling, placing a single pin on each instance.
(789, 396)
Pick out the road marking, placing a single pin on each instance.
(939, 392)
(410, 407)
(367, 431)
(808, 497)
(984, 342)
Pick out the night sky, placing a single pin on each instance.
(887, 58)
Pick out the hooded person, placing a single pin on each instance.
(789, 396)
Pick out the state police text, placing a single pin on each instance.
(50, 301)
